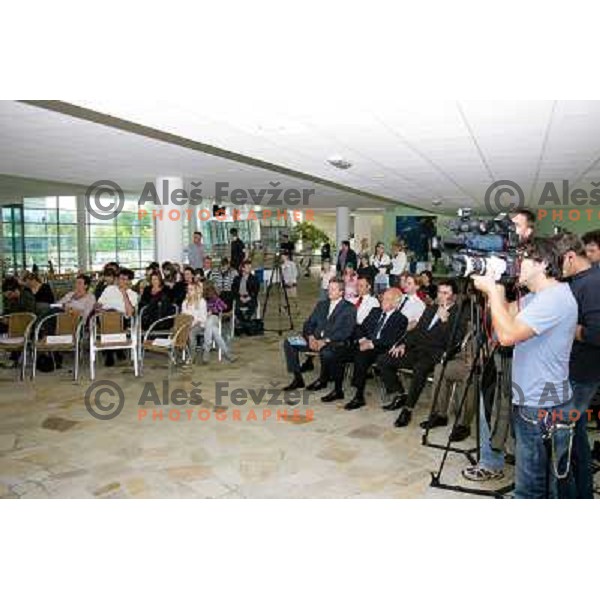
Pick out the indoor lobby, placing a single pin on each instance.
(295, 195)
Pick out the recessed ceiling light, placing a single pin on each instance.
(436, 202)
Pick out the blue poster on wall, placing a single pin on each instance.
(415, 232)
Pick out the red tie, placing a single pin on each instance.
(360, 298)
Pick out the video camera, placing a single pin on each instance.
(482, 246)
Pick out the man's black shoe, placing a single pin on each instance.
(297, 384)
(332, 396)
(398, 402)
(307, 365)
(434, 421)
(404, 417)
(316, 385)
(356, 402)
(460, 433)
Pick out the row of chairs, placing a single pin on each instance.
(30, 336)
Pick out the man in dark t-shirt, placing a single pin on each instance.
(584, 374)
(237, 250)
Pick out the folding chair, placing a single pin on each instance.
(108, 332)
(67, 337)
(173, 344)
(18, 336)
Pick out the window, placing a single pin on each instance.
(50, 232)
(127, 239)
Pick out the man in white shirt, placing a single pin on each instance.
(120, 297)
(365, 303)
(412, 306)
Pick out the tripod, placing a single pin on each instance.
(283, 301)
(481, 359)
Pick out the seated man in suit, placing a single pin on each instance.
(327, 331)
(245, 289)
(383, 328)
(423, 349)
(365, 304)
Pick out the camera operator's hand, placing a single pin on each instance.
(484, 283)
(312, 343)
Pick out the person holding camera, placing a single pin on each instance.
(542, 331)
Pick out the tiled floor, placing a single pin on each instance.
(50, 445)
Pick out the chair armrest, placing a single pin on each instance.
(153, 325)
(42, 320)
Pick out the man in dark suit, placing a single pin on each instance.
(327, 331)
(423, 349)
(383, 328)
(346, 257)
(245, 288)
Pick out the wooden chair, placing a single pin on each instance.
(69, 326)
(108, 332)
(174, 344)
(18, 336)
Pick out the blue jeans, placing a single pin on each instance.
(583, 394)
(542, 468)
(489, 458)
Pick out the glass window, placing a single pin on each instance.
(50, 232)
(127, 239)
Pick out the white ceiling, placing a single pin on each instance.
(39, 144)
(411, 152)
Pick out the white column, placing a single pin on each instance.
(168, 230)
(82, 235)
(342, 224)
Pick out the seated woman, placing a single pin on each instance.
(173, 282)
(367, 270)
(214, 304)
(155, 301)
(195, 305)
(80, 300)
(428, 287)
(350, 284)
(42, 293)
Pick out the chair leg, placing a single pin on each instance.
(33, 363)
(76, 364)
(135, 361)
(92, 365)
(24, 362)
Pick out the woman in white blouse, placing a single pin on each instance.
(195, 305)
(399, 263)
(380, 258)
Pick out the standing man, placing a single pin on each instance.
(195, 252)
(584, 368)
(346, 256)
(591, 239)
(238, 250)
(542, 331)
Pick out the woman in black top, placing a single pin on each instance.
(42, 293)
(156, 300)
(427, 284)
(367, 270)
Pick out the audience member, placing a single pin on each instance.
(383, 328)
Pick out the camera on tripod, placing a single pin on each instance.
(482, 246)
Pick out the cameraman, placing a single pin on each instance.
(542, 333)
(492, 437)
(584, 373)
